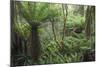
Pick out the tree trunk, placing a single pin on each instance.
(88, 22)
(35, 43)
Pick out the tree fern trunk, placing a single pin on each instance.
(35, 46)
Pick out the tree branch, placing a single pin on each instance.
(53, 30)
(64, 7)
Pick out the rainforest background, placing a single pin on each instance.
(50, 33)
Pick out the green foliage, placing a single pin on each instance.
(72, 52)
(75, 44)
(75, 20)
(36, 12)
(23, 29)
